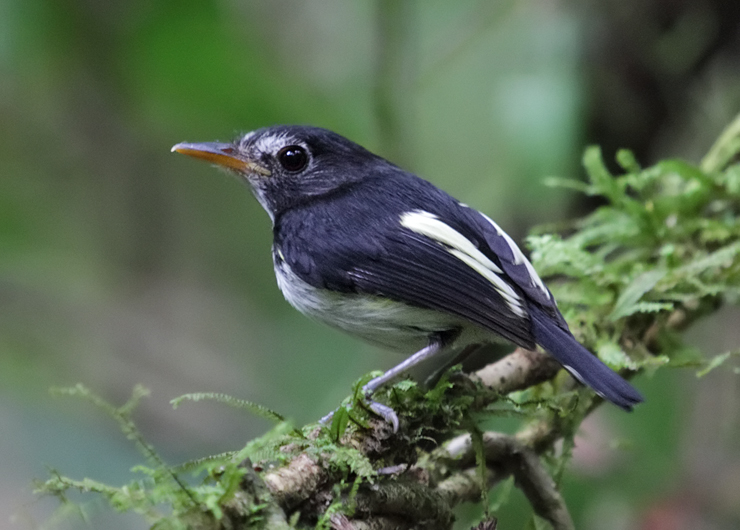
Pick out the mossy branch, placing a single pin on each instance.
(661, 253)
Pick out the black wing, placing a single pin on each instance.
(364, 252)
(419, 246)
(495, 242)
(422, 272)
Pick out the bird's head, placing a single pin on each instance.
(288, 165)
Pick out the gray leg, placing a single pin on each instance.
(384, 411)
(401, 368)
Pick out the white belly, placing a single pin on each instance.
(393, 325)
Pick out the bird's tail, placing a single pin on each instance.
(580, 362)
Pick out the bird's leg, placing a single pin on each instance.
(422, 355)
(384, 411)
(436, 344)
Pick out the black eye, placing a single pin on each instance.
(293, 158)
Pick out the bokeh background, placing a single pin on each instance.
(121, 263)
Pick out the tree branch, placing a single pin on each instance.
(506, 455)
(658, 261)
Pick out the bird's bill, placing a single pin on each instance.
(224, 155)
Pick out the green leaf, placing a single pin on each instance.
(603, 181)
(724, 257)
(731, 179)
(349, 458)
(653, 307)
(122, 416)
(686, 357)
(627, 303)
(537, 523)
(627, 160)
(267, 446)
(689, 173)
(502, 495)
(559, 182)
(614, 356)
(197, 464)
(254, 408)
(652, 362)
(339, 423)
(714, 362)
(724, 149)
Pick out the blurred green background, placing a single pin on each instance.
(121, 263)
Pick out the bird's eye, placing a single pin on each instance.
(293, 158)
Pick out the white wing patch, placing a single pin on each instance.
(462, 248)
(519, 257)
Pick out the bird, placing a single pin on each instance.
(382, 254)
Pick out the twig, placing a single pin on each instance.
(412, 501)
(292, 484)
(272, 513)
(506, 455)
(511, 457)
(341, 522)
(518, 370)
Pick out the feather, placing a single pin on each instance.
(580, 362)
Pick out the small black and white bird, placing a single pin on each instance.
(380, 253)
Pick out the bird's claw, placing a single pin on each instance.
(384, 411)
(325, 420)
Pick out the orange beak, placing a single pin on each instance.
(224, 155)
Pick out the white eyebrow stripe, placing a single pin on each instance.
(462, 248)
(245, 139)
(519, 257)
(272, 143)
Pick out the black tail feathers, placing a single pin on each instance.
(580, 362)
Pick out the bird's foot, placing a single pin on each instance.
(384, 411)
(326, 420)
